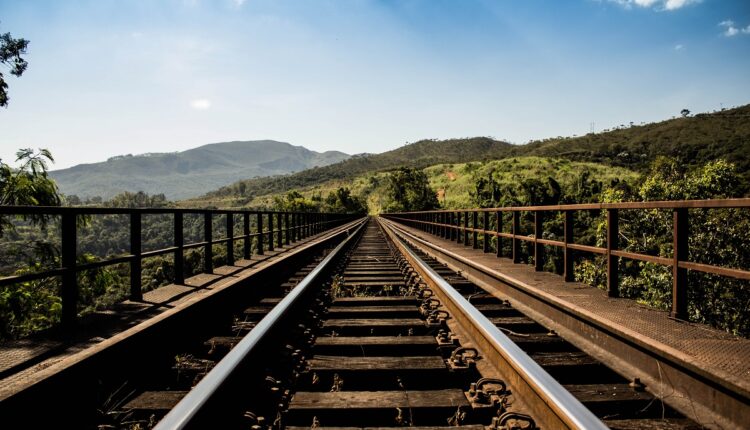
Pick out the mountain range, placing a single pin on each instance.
(190, 173)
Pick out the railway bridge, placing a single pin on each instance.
(466, 318)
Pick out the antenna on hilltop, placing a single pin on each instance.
(593, 126)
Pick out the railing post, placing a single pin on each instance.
(259, 229)
(475, 234)
(230, 239)
(441, 218)
(538, 247)
(452, 216)
(459, 233)
(680, 234)
(516, 232)
(69, 293)
(466, 228)
(568, 274)
(135, 252)
(286, 228)
(246, 232)
(270, 231)
(280, 231)
(297, 224)
(208, 253)
(179, 243)
(613, 232)
(485, 236)
(499, 229)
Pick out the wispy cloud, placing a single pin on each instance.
(731, 30)
(200, 104)
(679, 47)
(238, 3)
(655, 4)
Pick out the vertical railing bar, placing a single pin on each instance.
(475, 234)
(179, 243)
(135, 251)
(246, 248)
(69, 292)
(568, 268)
(230, 238)
(613, 288)
(485, 229)
(538, 234)
(279, 230)
(516, 232)
(259, 236)
(270, 231)
(680, 236)
(208, 253)
(499, 229)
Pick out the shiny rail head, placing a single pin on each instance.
(564, 404)
(181, 416)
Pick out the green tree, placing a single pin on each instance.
(409, 190)
(717, 237)
(28, 184)
(10, 55)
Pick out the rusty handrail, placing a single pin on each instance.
(290, 226)
(454, 224)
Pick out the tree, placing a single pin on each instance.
(685, 113)
(28, 184)
(409, 190)
(10, 55)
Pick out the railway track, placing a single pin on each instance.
(374, 334)
(386, 337)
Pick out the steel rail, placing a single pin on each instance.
(563, 404)
(183, 414)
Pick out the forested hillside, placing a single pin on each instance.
(691, 140)
(419, 155)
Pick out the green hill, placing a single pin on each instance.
(692, 140)
(189, 173)
(419, 154)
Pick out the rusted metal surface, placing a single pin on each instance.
(109, 374)
(310, 222)
(702, 372)
(434, 222)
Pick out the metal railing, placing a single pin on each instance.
(465, 225)
(289, 227)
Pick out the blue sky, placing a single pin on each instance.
(112, 77)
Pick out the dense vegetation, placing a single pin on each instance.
(717, 236)
(690, 140)
(189, 173)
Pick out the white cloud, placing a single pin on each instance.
(679, 47)
(200, 104)
(730, 30)
(238, 3)
(656, 4)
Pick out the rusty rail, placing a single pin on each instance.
(455, 225)
(290, 226)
